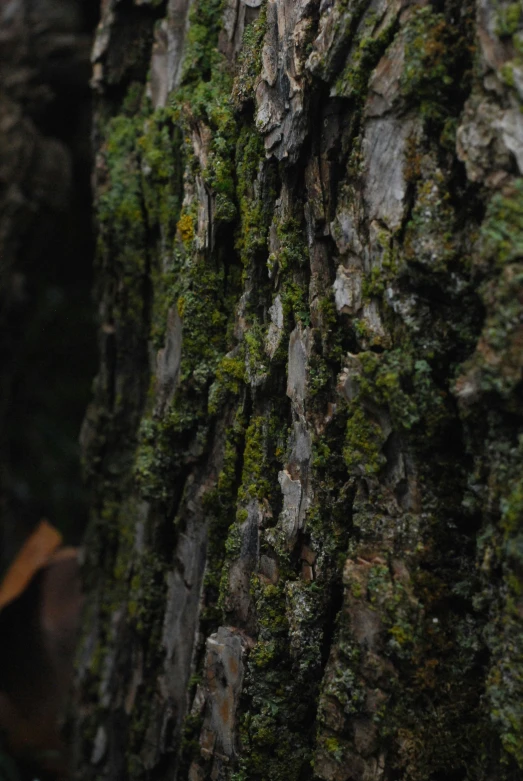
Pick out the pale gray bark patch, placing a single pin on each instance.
(204, 230)
(289, 520)
(237, 14)
(511, 126)
(297, 366)
(345, 232)
(348, 289)
(182, 583)
(349, 379)
(481, 145)
(177, 25)
(275, 332)
(239, 601)
(223, 678)
(384, 84)
(168, 361)
(99, 746)
(384, 161)
(159, 84)
(281, 110)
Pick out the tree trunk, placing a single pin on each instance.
(305, 558)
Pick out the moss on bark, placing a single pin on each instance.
(304, 556)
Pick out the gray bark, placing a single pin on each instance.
(304, 559)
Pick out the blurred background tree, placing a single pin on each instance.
(48, 342)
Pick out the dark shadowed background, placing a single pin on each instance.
(47, 332)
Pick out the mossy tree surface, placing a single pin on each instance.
(305, 557)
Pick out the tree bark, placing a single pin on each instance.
(305, 553)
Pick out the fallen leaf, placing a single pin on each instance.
(32, 556)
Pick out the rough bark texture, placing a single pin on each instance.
(305, 558)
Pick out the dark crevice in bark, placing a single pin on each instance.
(129, 53)
(334, 605)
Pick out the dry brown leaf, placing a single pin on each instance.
(32, 556)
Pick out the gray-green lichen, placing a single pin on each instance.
(307, 518)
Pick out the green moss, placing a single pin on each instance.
(132, 102)
(380, 277)
(223, 541)
(162, 167)
(121, 219)
(220, 505)
(152, 460)
(344, 683)
(190, 748)
(435, 54)
(495, 366)
(275, 702)
(363, 58)
(292, 251)
(321, 453)
(426, 49)
(509, 20)
(295, 302)
(206, 89)
(431, 232)
(512, 510)
(404, 386)
(333, 746)
(197, 289)
(263, 653)
(284, 667)
(286, 664)
(256, 361)
(205, 313)
(255, 479)
(147, 593)
(319, 375)
(502, 230)
(145, 241)
(429, 653)
(219, 172)
(249, 59)
(505, 636)
(255, 202)
(363, 442)
(230, 378)
(185, 228)
(329, 517)
(289, 263)
(201, 49)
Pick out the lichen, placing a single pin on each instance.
(502, 230)
(403, 470)
(509, 20)
(255, 482)
(249, 59)
(364, 55)
(436, 51)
